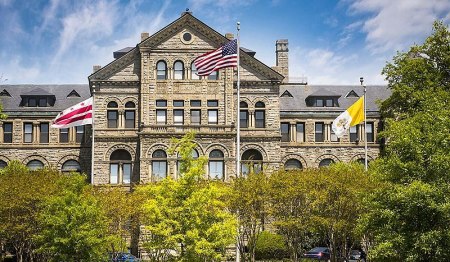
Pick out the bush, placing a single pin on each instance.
(270, 246)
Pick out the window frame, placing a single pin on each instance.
(161, 70)
(27, 136)
(44, 135)
(319, 136)
(8, 135)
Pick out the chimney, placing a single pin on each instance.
(229, 36)
(95, 68)
(282, 53)
(144, 36)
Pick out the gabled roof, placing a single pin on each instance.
(186, 19)
(37, 92)
(352, 94)
(73, 93)
(324, 92)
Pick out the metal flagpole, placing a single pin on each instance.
(93, 132)
(238, 130)
(361, 79)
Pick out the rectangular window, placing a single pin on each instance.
(7, 132)
(43, 102)
(196, 116)
(43, 133)
(159, 169)
(285, 134)
(354, 133)
(333, 136)
(129, 119)
(213, 103)
(300, 132)
(27, 133)
(216, 169)
(329, 102)
(319, 137)
(178, 103)
(319, 102)
(112, 119)
(126, 178)
(114, 173)
(196, 103)
(64, 135)
(212, 116)
(370, 133)
(161, 103)
(161, 116)
(244, 119)
(79, 134)
(260, 119)
(178, 117)
(32, 102)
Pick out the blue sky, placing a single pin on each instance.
(330, 42)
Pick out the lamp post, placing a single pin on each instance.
(361, 80)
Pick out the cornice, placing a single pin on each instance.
(115, 66)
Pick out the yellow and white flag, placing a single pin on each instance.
(351, 117)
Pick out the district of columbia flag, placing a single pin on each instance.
(77, 115)
(224, 56)
(351, 117)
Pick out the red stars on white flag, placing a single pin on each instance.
(77, 115)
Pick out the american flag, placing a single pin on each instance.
(224, 56)
(77, 115)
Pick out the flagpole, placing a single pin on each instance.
(93, 132)
(361, 79)
(238, 130)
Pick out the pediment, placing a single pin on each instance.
(125, 68)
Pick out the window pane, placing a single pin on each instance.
(216, 169)
(43, 133)
(300, 132)
(161, 117)
(244, 118)
(64, 135)
(7, 132)
(114, 173)
(212, 116)
(329, 102)
(369, 131)
(196, 103)
(194, 72)
(326, 162)
(178, 117)
(178, 103)
(42, 102)
(213, 76)
(35, 165)
(80, 134)
(159, 169)
(28, 133)
(126, 173)
(161, 70)
(3, 164)
(353, 133)
(178, 70)
(319, 132)
(213, 103)
(71, 166)
(195, 117)
(292, 164)
(285, 136)
(319, 102)
(129, 119)
(32, 102)
(112, 119)
(161, 103)
(259, 119)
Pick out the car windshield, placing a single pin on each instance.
(318, 249)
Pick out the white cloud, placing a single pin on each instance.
(397, 24)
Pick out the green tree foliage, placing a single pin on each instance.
(270, 246)
(249, 201)
(74, 227)
(22, 193)
(408, 216)
(187, 217)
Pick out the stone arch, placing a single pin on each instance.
(155, 147)
(257, 147)
(112, 99)
(36, 157)
(259, 99)
(248, 101)
(4, 159)
(65, 158)
(129, 99)
(198, 147)
(120, 146)
(294, 156)
(325, 156)
(358, 156)
(221, 147)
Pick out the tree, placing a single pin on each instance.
(74, 227)
(187, 217)
(408, 215)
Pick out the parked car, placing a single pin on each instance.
(123, 257)
(357, 256)
(318, 253)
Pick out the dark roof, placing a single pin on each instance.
(121, 52)
(248, 51)
(11, 105)
(297, 103)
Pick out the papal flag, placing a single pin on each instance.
(351, 117)
(77, 115)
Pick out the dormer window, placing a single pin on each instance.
(37, 101)
(324, 102)
(4, 93)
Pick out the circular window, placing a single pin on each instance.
(186, 37)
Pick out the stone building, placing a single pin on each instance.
(151, 93)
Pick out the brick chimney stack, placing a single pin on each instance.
(95, 68)
(144, 36)
(229, 36)
(282, 53)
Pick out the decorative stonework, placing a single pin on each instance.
(120, 146)
(294, 156)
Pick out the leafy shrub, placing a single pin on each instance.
(270, 246)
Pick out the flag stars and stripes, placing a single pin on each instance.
(224, 56)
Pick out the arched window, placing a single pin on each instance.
(35, 165)
(251, 162)
(71, 166)
(120, 167)
(130, 115)
(216, 164)
(159, 165)
(213, 76)
(3, 164)
(260, 115)
(178, 70)
(194, 155)
(194, 72)
(161, 70)
(362, 161)
(113, 115)
(326, 162)
(243, 114)
(292, 164)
